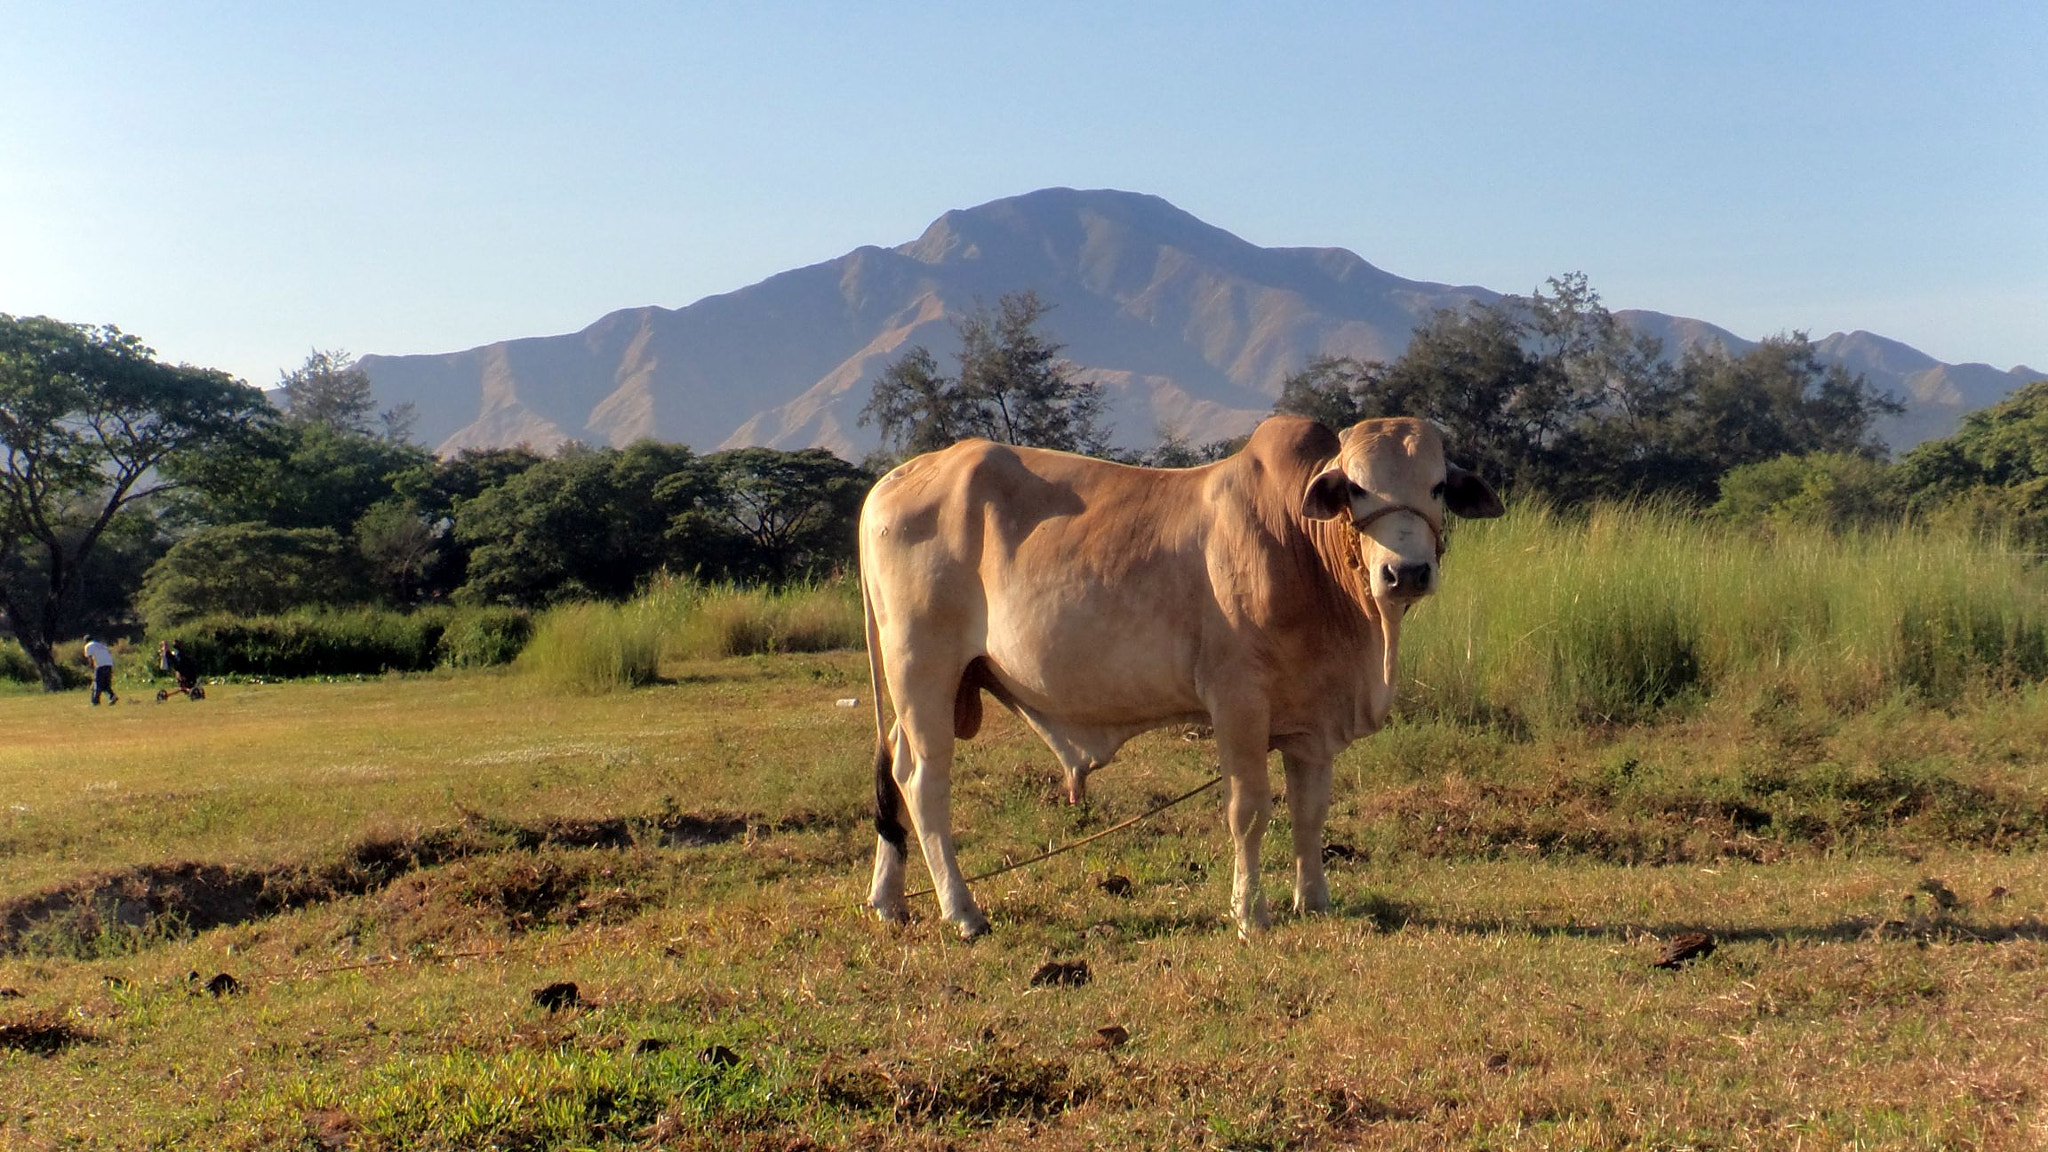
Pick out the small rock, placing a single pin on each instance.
(1112, 1036)
(1115, 885)
(848, 702)
(648, 1046)
(1072, 973)
(718, 1056)
(1685, 948)
(557, 996)
(1337, 851)
(223, 984)
(10, 994)
(1999, 893)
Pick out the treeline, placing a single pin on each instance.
(136, 493)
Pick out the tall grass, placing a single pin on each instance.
(1621, 615)
(594, 647)
(713, 620)
(1629, 611)
(600, 647)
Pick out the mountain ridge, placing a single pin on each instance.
(1189, 328)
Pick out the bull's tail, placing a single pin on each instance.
(888, 800)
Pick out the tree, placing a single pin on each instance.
(917, 408)
(399, 550)
(762, 514)
(332, 390)
(1022, 391)
(249, 570)
(91, 423)
(297, 475)
(431, 491)
(1012, 387)
(1335, 391)
(1776, 399)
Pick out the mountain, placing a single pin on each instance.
(1188, 328)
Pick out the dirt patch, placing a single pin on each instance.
(537, 883)
(42, 1033)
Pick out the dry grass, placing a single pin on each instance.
(1482, 983)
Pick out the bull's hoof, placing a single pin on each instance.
(1312, 903)
(890, 911)
(1254, 922)
(973, 926)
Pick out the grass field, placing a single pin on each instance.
(389, 870)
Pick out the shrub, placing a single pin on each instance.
(354, 642)
(482, 637)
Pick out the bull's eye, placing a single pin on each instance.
(1438, 491)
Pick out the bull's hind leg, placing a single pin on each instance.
(924, 773)
(1308, 807)
(892, 821)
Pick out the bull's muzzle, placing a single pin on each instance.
(1407, 581)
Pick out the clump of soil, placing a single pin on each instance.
(988, 1087)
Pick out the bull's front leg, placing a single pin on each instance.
(1241, 738)
(1308, 807)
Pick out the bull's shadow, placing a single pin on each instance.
(1390, 915)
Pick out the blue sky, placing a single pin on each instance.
(240, 183)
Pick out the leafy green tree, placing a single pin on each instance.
(1012, 387)
(250, 570)
(297, 475)
(91, 424)
(400, 550)
(762, 514)
(587, 523)
(431, 491)
(1992, 474)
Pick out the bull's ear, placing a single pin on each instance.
(1469, 496)
(1328, 495)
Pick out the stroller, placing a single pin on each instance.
(172, 659)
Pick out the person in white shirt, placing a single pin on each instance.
(101, 658)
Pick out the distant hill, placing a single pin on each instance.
(1189, 329)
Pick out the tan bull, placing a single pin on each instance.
(1262, 595)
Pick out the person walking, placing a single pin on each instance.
(101, 658)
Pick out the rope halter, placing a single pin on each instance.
(1436, 531)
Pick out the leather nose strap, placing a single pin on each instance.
(1436, 533)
